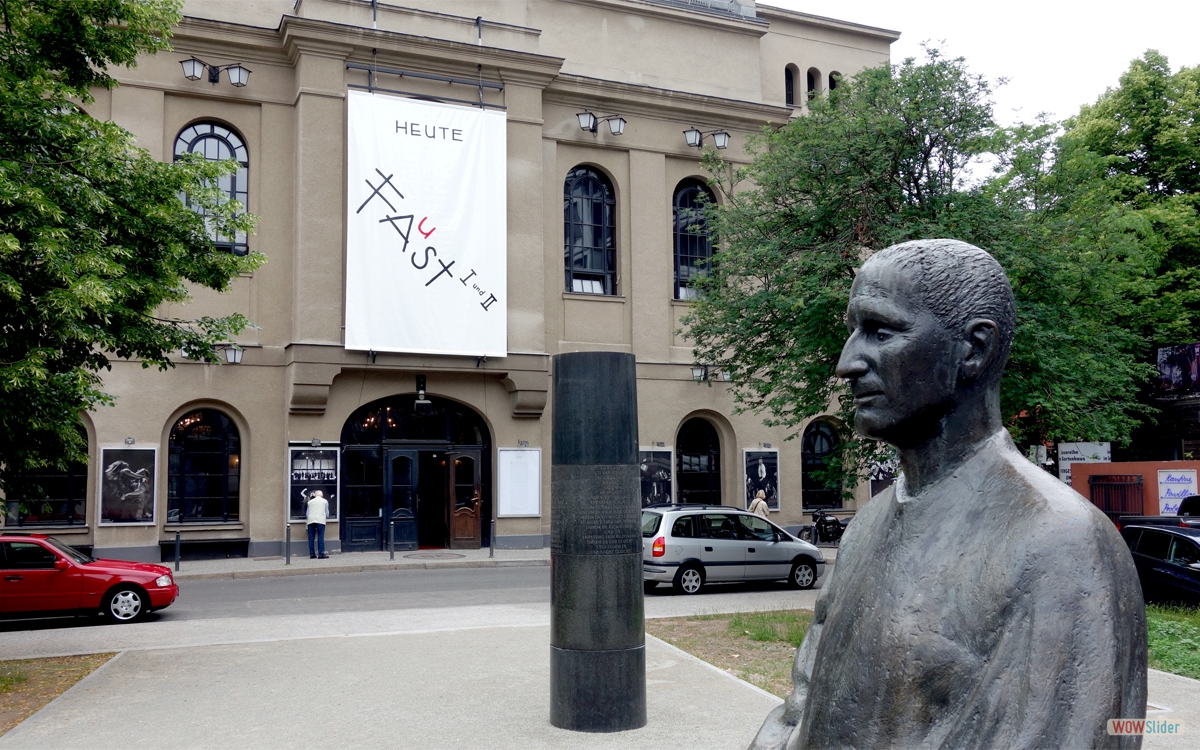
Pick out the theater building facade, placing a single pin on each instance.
(448, 193)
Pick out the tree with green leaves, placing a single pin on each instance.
(95, 235)
(888, 157)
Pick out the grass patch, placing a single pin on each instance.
(28, 684)
(758, 647)
(1174, 638)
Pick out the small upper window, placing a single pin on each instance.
(218, 143)
(789, 87)
(589, 229)
(693, 243)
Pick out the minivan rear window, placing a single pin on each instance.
(1154, 544)
(650, 522)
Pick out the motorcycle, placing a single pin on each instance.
(826, 528)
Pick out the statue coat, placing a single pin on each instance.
(997, 609)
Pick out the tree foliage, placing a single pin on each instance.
(94, 235)
(887, 157)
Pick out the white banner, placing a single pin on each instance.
(426, 234)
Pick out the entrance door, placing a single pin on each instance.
(465, 499)
(400, 483)
(380, 487)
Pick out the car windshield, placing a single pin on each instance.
(650, 522)
(70, 551)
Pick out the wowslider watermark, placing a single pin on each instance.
(1144, 726)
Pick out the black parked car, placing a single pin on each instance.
(1168, 561)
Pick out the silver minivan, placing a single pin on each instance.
(691, 545)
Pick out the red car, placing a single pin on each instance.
(39, 576)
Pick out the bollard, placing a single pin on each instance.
(287, 544)
(176, 551)
(597, 620)
(391, 540)
(492, 540)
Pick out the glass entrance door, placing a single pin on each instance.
(380, 488)
(401, 482)
(465, 499)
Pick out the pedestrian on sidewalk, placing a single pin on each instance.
(318, 513)
(759, 504)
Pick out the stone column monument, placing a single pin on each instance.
(597, 623)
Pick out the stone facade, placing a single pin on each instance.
(664, 66)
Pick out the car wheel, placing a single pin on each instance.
(689, 579)
(125, 604)
(803, 575)
(649, 586)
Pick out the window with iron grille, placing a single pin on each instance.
(53, 497)
(217, 143)
(589, 233)
(693, 243)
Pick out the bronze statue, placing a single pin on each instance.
(979, 601)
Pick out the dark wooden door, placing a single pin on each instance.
(465, 499)
(362, 499)
(400, 484)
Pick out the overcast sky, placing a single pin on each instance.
(1056, 54)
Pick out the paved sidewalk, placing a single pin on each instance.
(357, 562)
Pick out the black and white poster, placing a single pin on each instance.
(656, 468)
(127, 485)
(426, 227)
(311, 470)
(762, 475)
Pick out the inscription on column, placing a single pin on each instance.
(601, 507)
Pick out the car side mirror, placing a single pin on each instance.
(61, 564)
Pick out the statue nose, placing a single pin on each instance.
(851, 364)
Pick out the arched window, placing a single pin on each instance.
(789, 87)
(814, 80)
(818, 445)
(53, 498)
(698, 451)
(589, 229)
(693, 244)
(835, 79)
(204, 468)
(218, 143)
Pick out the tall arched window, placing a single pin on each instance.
(218, 143)
(698, 450)
(789, 87)
(814, 80)
(818, 445)
(589, 233)
(693, 244)
(53, 498)
(835, 80)
(204, 468)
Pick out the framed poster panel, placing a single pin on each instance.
(127, 481)
(311, 470)
(519, 475)
(657, 471)
(762, 473)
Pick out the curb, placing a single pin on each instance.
(288, 571)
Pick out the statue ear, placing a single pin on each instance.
(981, 340)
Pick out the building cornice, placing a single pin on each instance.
(689, 16)
(576, 90)
(769, 12)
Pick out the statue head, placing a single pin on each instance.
(931, 326)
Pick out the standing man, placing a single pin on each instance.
(318, 513)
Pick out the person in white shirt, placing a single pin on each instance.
(318, 513)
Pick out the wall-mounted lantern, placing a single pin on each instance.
(195, 68)
(695, 138)
(233, 354)
(589, 122)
